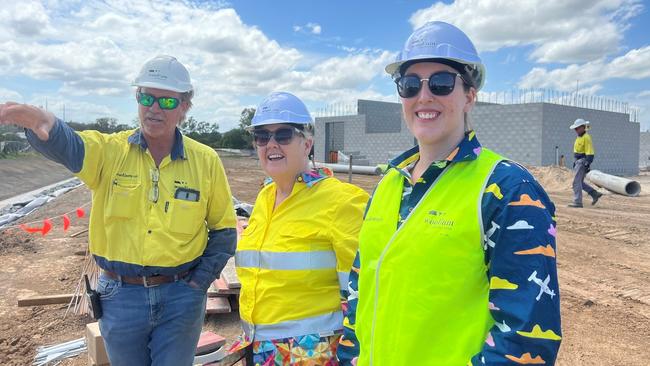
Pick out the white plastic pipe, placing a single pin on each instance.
(624, 186)
(357, 169)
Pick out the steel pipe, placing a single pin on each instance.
(357, 169)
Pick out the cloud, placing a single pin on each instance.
(97, 47)
(559, 31)
(24, 19)
(537, 332)
(497, 283)
(520, 225)
(642, 101)
(635, 64)
(75, 110)
(313, 28)
(6, 94)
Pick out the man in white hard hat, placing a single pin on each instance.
(162, 224)
(583, 153)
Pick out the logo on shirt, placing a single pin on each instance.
(180, 183)
(373, 219)
(439, 220)
(126, 175)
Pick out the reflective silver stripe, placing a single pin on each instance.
(323, 259)
(324, 325)
(344, 278)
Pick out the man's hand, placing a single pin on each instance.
(27, 116)
(194, 284)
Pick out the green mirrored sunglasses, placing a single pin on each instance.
(148, 100)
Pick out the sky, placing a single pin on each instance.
(81, 56)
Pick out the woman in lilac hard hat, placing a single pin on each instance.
(294, 257)
(456, 261)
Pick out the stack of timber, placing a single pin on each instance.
(223, 294)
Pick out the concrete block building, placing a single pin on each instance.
(531, 133)
(644, 150)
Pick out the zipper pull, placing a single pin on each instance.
(166, 206)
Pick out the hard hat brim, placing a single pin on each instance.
(574, 126)
(150, 84)
(275, 122)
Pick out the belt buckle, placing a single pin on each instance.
(146, 284)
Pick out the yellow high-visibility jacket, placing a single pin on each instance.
(293, 261)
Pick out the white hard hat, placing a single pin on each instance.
(164, 72)
(444, 43)
(577, 123)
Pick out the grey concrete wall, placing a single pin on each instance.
(511, 130)
(349, 123)
(376, 147)
(527, 133)
(644, 150)
(381, 117)
(615, 139)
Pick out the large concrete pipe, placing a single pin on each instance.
(356, 169)
(624, 186)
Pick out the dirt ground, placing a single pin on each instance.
(603, 260)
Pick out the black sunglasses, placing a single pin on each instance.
(440, 83)
(148, 100)
(282, 136)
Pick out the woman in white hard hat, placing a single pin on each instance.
(456, 261)
(162, 225)
(294, 257)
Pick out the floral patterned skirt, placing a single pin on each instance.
(307, 350)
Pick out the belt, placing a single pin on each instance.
(149, 281)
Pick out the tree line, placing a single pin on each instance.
(201, 131)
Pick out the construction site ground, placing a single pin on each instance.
(603, 262)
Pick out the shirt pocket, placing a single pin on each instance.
(124, 198)
(186, 217)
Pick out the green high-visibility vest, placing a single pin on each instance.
(423, 287)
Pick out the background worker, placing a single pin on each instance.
(456, 261)
(583, 153)
(294, 257)
(162, 224)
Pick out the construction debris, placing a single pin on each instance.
(54, 354)
(96, 350)
(79, 303)
(229, 275)
(24, 207)
(45, 300)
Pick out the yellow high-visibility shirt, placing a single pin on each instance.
(583, 145)
(145, 215)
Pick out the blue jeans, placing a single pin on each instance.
(150, 326)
